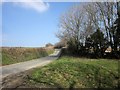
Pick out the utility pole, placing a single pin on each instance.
(118, 23)
(118, 9)
(117, 35)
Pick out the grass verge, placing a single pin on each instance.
(16, 55)
(71, 72)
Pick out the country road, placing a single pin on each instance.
(22, 66)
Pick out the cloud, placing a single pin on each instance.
(37, 5)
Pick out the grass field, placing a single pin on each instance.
(72, 72)
(15, 55)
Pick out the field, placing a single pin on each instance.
(16, 55)
(73, 72)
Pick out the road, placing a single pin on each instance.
(22, 66)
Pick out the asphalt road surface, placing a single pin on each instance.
(22, 66)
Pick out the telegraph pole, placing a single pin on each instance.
(118, 9)
(117, 35)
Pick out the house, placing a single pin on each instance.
(108, 50)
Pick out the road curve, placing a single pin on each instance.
(22, 66)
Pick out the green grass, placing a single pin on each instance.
(16, 55)
(71, 72)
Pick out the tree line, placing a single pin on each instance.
(91, 27)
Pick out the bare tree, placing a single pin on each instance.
(108, 12)
(103, 16)
(80, 21)
(70, 26)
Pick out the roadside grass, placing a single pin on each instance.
(16, 55)
(72, 72)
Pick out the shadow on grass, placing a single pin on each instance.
(56, 85)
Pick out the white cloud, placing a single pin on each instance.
(37, 5)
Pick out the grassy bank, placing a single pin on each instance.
(71, 72)
(15, 55)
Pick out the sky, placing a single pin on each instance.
(31, 24)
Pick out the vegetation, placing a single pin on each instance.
(60, 44)
(86, 30)
(95, 24)
(97, 42)
(48, 45)
(72, 72)
(15, 55)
